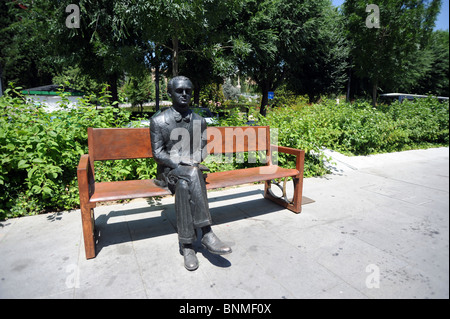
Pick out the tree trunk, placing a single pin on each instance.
(197, 89)
(264, 100)
(112, 81)
(349, 84)
(374, 94)
(175, 57)
(157, 88)
(1, 77)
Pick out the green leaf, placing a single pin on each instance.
(124, 171)
(38, 160)
(47, 190)
(36, 189)
(23, 164)
(31, 172)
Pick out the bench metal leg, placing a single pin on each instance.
(295, 204)
(88, 221)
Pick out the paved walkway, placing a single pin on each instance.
(379, 228)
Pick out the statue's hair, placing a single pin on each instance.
(177, 78)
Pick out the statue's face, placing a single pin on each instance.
(181, 94)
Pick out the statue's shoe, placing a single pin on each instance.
(190, 259)
(214, 245)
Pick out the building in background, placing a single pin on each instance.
(49, 96)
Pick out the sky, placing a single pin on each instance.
(442, 19)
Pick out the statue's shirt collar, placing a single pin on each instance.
(180, 117)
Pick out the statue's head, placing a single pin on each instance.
(180, 90)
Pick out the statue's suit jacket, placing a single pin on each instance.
(174, 140)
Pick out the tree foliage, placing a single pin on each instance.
(302, 43)
(396, 51)
(307, 45)
(435, 80)
(318, 66)
(23, 52)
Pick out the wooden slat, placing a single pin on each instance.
(126, 190)
(119, 143)
(247, 175)
(129, 143)
(237, 139)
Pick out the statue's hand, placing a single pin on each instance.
(202, 167)
(189, 163)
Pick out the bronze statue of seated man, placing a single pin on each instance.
(178, 149)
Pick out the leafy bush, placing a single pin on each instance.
(212, 96)
(288, 128)
(230, 92)
(353, 129)
(40, 151)
(139, 90)
(284, 97)
(360, 129)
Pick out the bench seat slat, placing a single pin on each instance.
(247, 175)
(109, 191)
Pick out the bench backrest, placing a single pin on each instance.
(131, 143)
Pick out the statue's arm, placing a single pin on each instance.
(201, 153)
(204, 150)
(160, 153)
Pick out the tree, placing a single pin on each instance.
(22, 51)
(383, 54)
(230, 92)
(5, 39)
(177, 25)
(200, 71)
(129, 36)
(317, 54)
(300, 42)
(436, 79)
(257, 25)
(103, 47)
(174, 34)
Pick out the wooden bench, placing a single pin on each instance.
(133, 143)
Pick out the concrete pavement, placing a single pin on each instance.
(379, 228)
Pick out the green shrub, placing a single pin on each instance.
(360, 129)
(353, 129)
(40, 151)
(400, 126)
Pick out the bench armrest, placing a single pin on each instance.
(85, 179)
(83, 165)
(300, 156)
